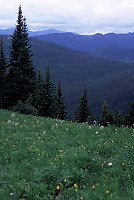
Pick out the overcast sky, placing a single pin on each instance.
(81, 16)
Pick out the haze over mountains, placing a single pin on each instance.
(111, 46)
(106, 80)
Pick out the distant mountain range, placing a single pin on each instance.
(109, 46)
(31, 33)
(106, 80)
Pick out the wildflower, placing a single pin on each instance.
(102, 127)
(81, 198)
(96, 132)
(75, 190)
(75, 185)
(58, 187)
(107, 191)
(110, 164)
(65, 179)
(44, 132)
(11, 193)
(15, 195)
(122, 163)
(13, 115)
(93, 187)
(9, 122)
(16, 124)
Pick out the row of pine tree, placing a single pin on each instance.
(24, 89)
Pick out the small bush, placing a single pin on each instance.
(25, 108)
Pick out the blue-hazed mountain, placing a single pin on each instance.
(31, 33)
(111, 46)
(106, 80)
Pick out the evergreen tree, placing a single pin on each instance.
(118, 118)
(83, 114)
(39, 95)
(21, 77)
(45, 97)
(3, 74)
(130, 117)
(50, 96)
(60, 104)
(106, 116)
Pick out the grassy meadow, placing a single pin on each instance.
(42, 159)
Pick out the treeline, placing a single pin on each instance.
(26, 90)
(22, 88)
(107, 117)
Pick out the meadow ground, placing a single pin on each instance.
(42, 158)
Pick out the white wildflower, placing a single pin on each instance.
(13, 115)
(16, 124)
(102, 127)
(44, 132)
(9, 121)
(110, 164)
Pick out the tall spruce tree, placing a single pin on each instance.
(3, 74)
(39, 95)
(22, 76)
(118, 118)
(106, 115)
(46, 96)
(130, 117)
(60, 104)
(83, 113)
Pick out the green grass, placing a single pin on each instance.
(42, 158)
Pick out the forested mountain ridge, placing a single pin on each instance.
(113, 46)
(106, 80)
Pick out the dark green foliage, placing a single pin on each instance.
(130, 117)
(83, 114)
(118, 118)
(60, 104)
(45, 95)
(106, 116)
(3, 74)
(25, 108)
(21, 77)
(108, 80)
(50, 96)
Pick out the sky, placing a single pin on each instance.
(79, 16)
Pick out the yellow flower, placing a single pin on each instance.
(75, 190)
(107, 191)
(75, 185)
(81, 198)
(58, 187)
(122, 163)
(93, 186)
(65, 179)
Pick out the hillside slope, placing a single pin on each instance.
(106, 80)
